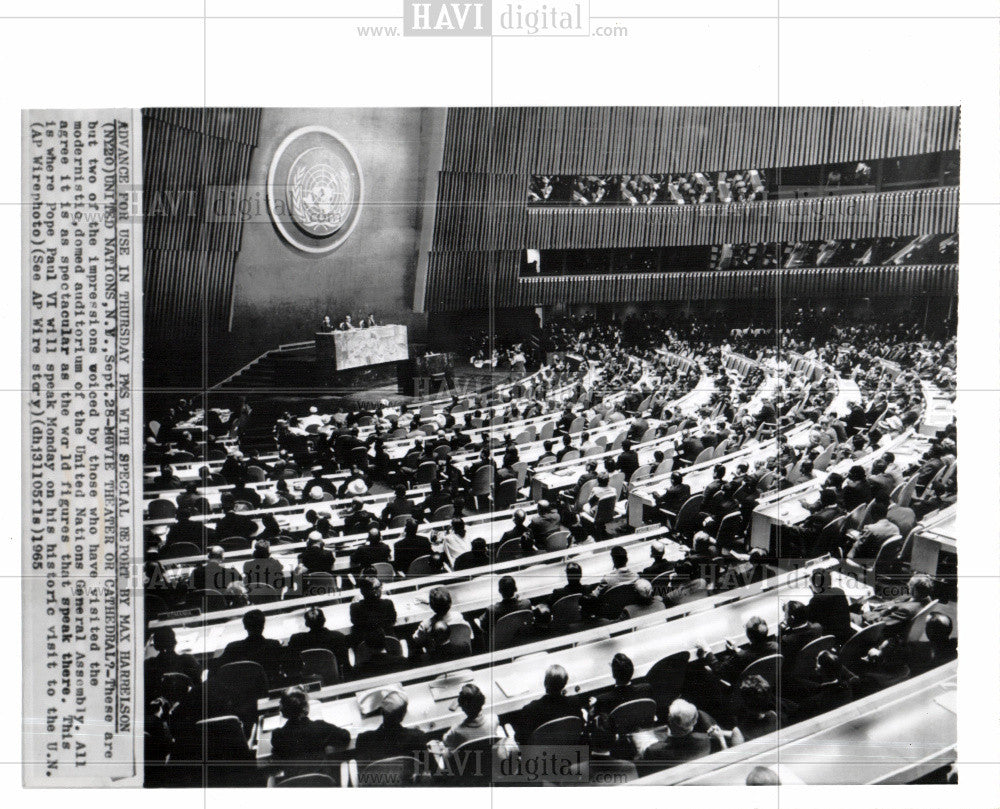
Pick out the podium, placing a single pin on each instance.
(361, 348)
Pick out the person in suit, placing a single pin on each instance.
(735, 659)
(439, 600)
(317, 636)
(399, 506)
(314, 557)
(167, 660)
(856, 489)
(628, 460)
(212, 574)
(441, 648)
(545, 522)
(553, 704)
(232, 523)
(796, 631)
(379, 659)
(269, 653)
(186, 530)
(477, 556)
(675, 495)
(716, 483)
(830, 687)
(358, 519)
(897, 614)
(411, 545)
(682, 742)
(829, 607)
(944, 648)
(624, 690)
(373, 552)
(758, 709)
(391, 738)
(690, 448)
(659, 564)
(647, 602)
(371, 611)
(518, 529)
(301, 740)
(509, 602)
(878, 530)
(619, 573)
(263, 569)
(477, 723)
(574, 584)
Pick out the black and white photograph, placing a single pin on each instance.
(450, 402)
(550, 446)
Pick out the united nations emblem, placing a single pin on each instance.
(314, 189)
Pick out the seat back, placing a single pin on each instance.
(666, 676)
(322, 663)
(180, 550)
(887, 558)
(388, 772)
(384, 571)
(234, 544)
(823, 459)
(768, 667)
(548, 430)
(567, 730)
(565, 612)
(482, 481)
(506, 494)
(521, 470)
(319, 583)
(311, 779)
(586, 490)
(639, 474)
(422, 566)
(208, 600)
(426, 472)
(223, 739)
(398, 521)
(511, 549)
(260, 593)
(903, 517)
(557, 540)
(687, 518)
(615, 599)
(461, 635)
(705, 455)
(859, 643)
(508, 629)
(441, 513)
(161, 509)
(805, 660)
(605, 511)
(632, 716)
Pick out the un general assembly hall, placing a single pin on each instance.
(550, 446)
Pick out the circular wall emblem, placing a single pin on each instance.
(314, 189)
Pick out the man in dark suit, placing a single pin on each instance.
(373, 552)
(379, 659)
(477, 556)
(315, 558)
(186, 530)
(317, 636)
(212, 574)
(390, 739)
(371, 611)
(716, 483)
(735, 659)
(676, 494)
(302, 740)
(573, 586)
(269, 653)
(897, 614)
(628, 460)
(624, 690)
(544, 523)
(234, 524)
(682, 742)
(518, 529)
(399, 506)
(829, 607)
(358, 519)
(509, 602)
(410, 546)
(167, 660)
(659, 564)
(437, 498)
(796, 631)
(690, 448)
(554, 704)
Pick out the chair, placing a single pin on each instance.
(161, 509)
(260, 593)
(859, 643)
(321, 663)
(317, 584)
(666, 676)
(180, 550)
(586, 490)
(704, 456)
(509, 628)
(255, 474)
(208, 600)
(805, 660)
(312, 779)
(398, 521)
(505, 495)
(615, 599)
(768, 667)
(632, 716)
(565, 731)
(729, 529)
(687, 521)
(508, 551)
(388, 772)
(521, 470)
(234, 544)
(830, 538)
(602, 515)
(616, 480)
(423, 566)
(903, 518)
(566, 612)
(359, 457)
(426, 472)
(557, 540)
(481, 486)
(903, 496)
(384, 572)
(548, 430)
(665, 466)
(474, 762)
(824, 458)
(222, 739)
(886, 566)
(577, 425)
(441, 513)
(461, 635)
(639, 474)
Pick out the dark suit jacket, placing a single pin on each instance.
(674, 497)
(370, 554)
(269, 653)
(831, 611)
(317, 560)
(606, 701)
(731, 666)
(235, 525)
(407, 549)
(213, 576)
(366, 615)
(791, 641)
(303, 740)
(542, 710)
(383, 742)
